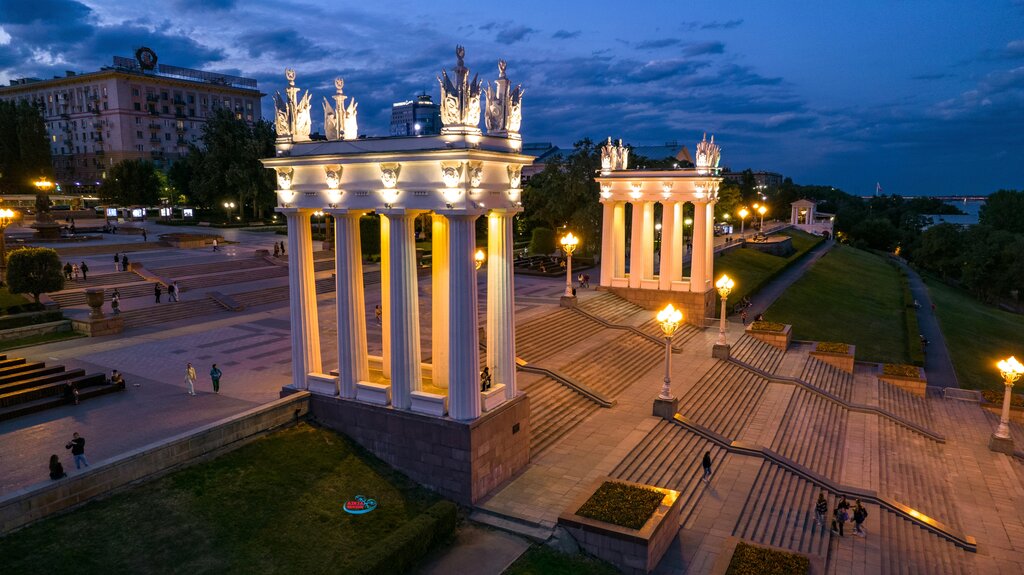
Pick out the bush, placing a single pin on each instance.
(620, 504)
(407, 545)
(34, 271)
(767, 326)
(752, 560)
(542, 241)
(901, 370)
(21, 320)
(996, 397)
(832, 347)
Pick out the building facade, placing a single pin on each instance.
(419, 117)
(134, 109)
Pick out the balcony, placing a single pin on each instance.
(155, 126)
(152, 98)
(179, 102)
(180, 114)
(154, 140)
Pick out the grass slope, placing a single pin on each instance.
(541, 560)
(274, 506)
(977, 335)
(751, 269)
(849, 296)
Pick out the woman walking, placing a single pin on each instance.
(190, 379)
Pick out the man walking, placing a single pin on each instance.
(190, 379)
(859, 515)
(820, 509)
(157, 292)
(85, 271)
(117, 262)
(215, 377)
(124, 263)
(67, 270)
(145, 237)
(77, 447)
(706, 464)
(378, 313)
(214, 244)
(172, 291)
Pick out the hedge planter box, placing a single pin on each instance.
(994, 403)
(634, 551)
(843, 361)
(914, 384)
(779, 338)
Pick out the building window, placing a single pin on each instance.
(106, 105)
(191, 99)
(135, 91)
(138, 107)
(164, 109)
(167, 137)
(138, 134)
(138, 120)
(163, 95)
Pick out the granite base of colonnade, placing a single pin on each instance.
(698, 308)
(461, 460)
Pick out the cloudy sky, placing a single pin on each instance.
(924, 96)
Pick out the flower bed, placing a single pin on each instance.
(832, 347)
(840, 355)
(908, 377)
(774, 333)
(996, 397)
(767, 326)
(754, 560)
(620, 504)
(901, 370)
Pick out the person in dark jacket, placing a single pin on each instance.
(157, 292)
(859, 515)
(124, 262)
(56, 469)
(85, 271)
(706, 464)
(77, 447)
(820, 509)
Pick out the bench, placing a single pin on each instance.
(429, 403)
(15, 370)
(374, 393)
(39, 387)
(17, 378)
(54, 395)
(5, 363)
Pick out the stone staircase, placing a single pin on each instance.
(277, 294)
(611, 307)
(100, 280)
(813, 433)
(550, 334)
(31, 386)
(828, 378)
(757, 353)
(73, 298)
(212, 268)
(168, 312)
(554, 411)
(243, 276)
(623, 361)
(724, 399)
(905, 404)
(779, 511)
(905, 548)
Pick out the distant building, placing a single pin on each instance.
(133, 109)
(770, 180)
(546, 151)
(419, 117)
(804, 215)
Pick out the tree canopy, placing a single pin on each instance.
(24, 148)
(132, 182)
(34, 271)
(1004, 210)
(565, 193)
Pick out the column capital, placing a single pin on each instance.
(471, 212)
(294, 211)
(505, 212)
(346, 212)
(400, 212)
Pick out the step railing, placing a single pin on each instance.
(655, 340)
(857, 407)
(596, 397)
(935, 526)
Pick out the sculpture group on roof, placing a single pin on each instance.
(614, 156)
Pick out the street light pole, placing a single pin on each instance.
(1011, 370)
(761, 210)
(228, 206)
(6, 217)
(569, 243)
(743, 220)
(724, 285)
(669, 318)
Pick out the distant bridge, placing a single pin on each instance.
(943, 198)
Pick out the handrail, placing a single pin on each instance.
(590, 394)
(860, 408)
(965, 542)
(630, 328)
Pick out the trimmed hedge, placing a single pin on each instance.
(752, 560)
(767, 326)
(832, 347)
(620, 504)
(915, 350)
(23, 319)
(542, 241)
(403, 549)
(996, 397)
(901, 370)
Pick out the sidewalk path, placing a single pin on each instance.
(477, 550)
(937, 363)
(767, 295)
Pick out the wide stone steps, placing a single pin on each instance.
(828, 378)
(554, 411)
(670, 457)
(167, 312)
(724, 399)
(73, 298)
(911, 550)
(610, 307)
(757, 353)
(914, 471)
(99, 280)
(548, 335)
(238, 277)
(212, 268)
(813, 433)
(905, 404)
(683, 334)
(622, 361)
(779, 511)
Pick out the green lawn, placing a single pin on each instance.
(751, 269)
(541, 560)
(274, 506)
(8, 299)
(977, 335)
(38, 339)
(850, 296)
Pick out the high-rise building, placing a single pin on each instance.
(133, 109)
(419, 117)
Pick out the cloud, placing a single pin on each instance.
(704, 48)
(280, 43)
(935, 76)
(565, 34)
(205, 5)
(513, 34)
(28, 12)
(656, 44)
(712, 25)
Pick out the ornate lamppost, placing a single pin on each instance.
(1011, 370)
(478, 258)
(761, 210)
(6, 217)
(228, 206)
(670, 318)
(743, 220)
(569, 243)
(724, 286)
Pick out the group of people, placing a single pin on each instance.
(120, 262)
(278, 249)
(583, 280)
(172, 291)
(77, 447)
(73, 271)
(190, 378)
(841, 514)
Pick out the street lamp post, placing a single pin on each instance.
(761, 210)
(569, 243)
(669, 318)
(6, 217)
(743, 220)
(724, 285)
(1011, 370)
(478, 258)
(229, 206)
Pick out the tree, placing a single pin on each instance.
(24, 147)
(729, 201)
(34, 271)
(132, 182)
(566, 194)
(941, 250)
(1004, 210)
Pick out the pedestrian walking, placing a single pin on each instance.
(85, 271)
(124, 263)
(859, 515)
(157, 292)
(743, 316)
(117, 262)
(214, 244)
(378, 313)
(67, 270)
(820, 509)
(586, 280)
(579, 278)
(277, 250)
(215, 374)
(77, 447)
(706, 464)
(190, 379)
(75, 271)
(145, 237)
(840, 515)
(115, 304)
(172, 291)
(282, 247)
(56, 469)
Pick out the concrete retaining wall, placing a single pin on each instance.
(38, 329)
(43, 499)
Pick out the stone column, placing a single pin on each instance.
(404, 307)
(709, 242)
(501, 327)
(648, 237)
(698, 269)
(607, 243)
(636, 246)
(385, 294)
(302, 296)
(439, 301)
(678, 246)
(619, 235)
(463, 323)
(667, 273)
(351, 302)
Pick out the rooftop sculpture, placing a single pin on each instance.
(460, 98)
(614, 156)
(339, 121)
(708, 156)
(291, 117)
(504, 106)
